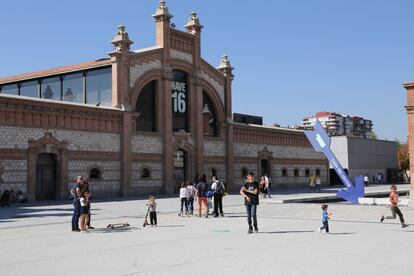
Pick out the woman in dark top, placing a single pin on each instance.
(85, 187)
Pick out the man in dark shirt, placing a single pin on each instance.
(76, 191)
(250, 192)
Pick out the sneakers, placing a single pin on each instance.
(404, 225)
(382, 219)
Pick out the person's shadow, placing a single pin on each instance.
(285, 232)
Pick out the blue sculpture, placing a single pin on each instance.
(321, 142)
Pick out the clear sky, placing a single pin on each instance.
(292, 58)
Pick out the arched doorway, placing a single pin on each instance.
(46, 172)
(265, 167)
(264, 163)
(180, 168)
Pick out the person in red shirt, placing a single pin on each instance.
(394, 207)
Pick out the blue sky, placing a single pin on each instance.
(292, 58)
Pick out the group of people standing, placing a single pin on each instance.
(81, 218)
(200, 191)
(379, 179)
(265, 185)
(315, 183)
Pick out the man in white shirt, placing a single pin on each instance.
(366, 180)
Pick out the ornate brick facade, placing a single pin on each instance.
(64, 139)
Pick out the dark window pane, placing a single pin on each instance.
(51, 88)
(29, 89)
(95, 173)
(210, 124)
(11, 89)
(146, 173)
(99, 87)
(296, 172)
(73, 88)
(146, 108)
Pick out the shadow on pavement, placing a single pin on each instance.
(285, 232)
(168, 226)
(114, 230)
(19, 212)
(342, 233)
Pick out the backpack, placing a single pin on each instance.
(220, 187)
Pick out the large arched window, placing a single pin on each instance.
(210, 124)
(145, 108)
(180, 106)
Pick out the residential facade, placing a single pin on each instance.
(337, 124)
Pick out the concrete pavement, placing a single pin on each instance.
(36, 240)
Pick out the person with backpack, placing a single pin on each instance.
(201, 196)
(218, 189)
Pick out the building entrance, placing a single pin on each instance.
(46, 176)
(180, 165)
(264, 167)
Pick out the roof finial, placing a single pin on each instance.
(121, 40)
(193, 25)
(162, 11)
(225, 63)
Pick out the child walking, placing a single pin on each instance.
(325, 218)
(152, 205)
(84, 217)
(394, 207)
(184, 195)
(191, 192)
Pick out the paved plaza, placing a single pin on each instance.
(36, 240)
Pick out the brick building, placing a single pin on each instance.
(139, 122)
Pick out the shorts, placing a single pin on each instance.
(84, 210)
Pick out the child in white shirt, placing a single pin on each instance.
(184, 195)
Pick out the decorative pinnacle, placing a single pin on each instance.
(193, 25)
(225, 63)
(162, 11)
(121, 39)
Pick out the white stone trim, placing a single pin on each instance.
(146, 144)
(214, 148)
(138, 70)
(217, 86)
(181, 56)
(17, 138)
